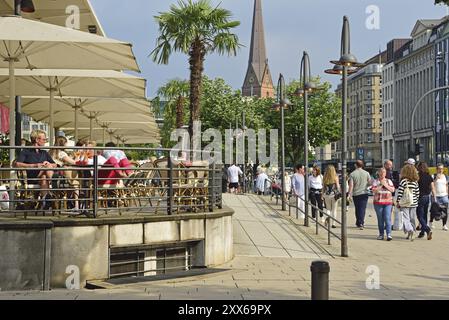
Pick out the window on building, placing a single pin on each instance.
(369, 138)
(369, 123)
(369, 109)
(34, 127)
(368, 95)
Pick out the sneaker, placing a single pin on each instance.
(412, 234)
(380, 237)
(389, 238)
(361, 228)
(445, 228)
(421, 235)
(429, 236)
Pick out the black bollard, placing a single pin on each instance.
(320, 280)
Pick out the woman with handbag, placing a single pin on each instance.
(331, 193)
(315, 192)
(407, 199)
(383, 189)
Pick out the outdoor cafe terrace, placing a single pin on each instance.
(163, 186)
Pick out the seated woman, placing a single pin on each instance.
(61, 158)
(119, 155)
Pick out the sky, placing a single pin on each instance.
(291, 26)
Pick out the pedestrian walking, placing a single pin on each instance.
(441, 193)
(359, 181)
(233, 178)
(298, 187)
(426, 189)
(407, 199)
(315, 192)
(383, 190)
(331, 193)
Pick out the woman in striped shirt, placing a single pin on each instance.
(409, 179)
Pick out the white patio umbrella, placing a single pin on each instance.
(129, 136)
(77, 83)
(29, 44)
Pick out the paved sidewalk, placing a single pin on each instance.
(273, 257)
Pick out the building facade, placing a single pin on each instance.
(414, 76)
(364, 114)
(388, 91)
(441, 97)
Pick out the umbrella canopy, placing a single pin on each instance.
(54, 12)
(82, 83)
(41, 45)
(32, 44)
(128, 136)
(73, 83)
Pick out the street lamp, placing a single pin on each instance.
(346, 64)
(307, 87)
(282, 102)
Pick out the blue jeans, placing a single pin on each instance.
(383, 213)
(360, 203)
(421, 212)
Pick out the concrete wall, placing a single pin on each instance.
(68, 250)
(85, 248)
(22, 259)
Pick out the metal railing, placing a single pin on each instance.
(165, 185)
(292, 201)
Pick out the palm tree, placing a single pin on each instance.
(176, 91)
(196, 29)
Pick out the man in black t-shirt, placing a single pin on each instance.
(37, 158)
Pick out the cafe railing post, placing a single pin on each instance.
(170, 186)
(95, 195)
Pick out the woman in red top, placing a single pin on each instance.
(383, 189)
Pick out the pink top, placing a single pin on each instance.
(382, 195)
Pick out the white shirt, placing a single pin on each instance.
(440, 186)
(316, 182)
(261, 181)
(288, 183)
(233, 174)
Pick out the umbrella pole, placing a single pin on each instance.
(76, 123)
(52, 118)
(12, 129)
(91, 124)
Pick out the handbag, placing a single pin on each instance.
(407, 198)
(337, 195)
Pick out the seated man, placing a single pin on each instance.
(37, 158)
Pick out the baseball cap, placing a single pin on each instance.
(411, 161)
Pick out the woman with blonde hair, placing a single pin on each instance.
(331, 192)
(407, 199)
(383, 189)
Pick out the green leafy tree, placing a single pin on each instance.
(446, 2)
(195, 29)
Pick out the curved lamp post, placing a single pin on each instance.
(307, 87)
(346, 64)
(281, 104)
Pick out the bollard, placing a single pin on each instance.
(320, 280)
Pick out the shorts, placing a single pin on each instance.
(233, 185)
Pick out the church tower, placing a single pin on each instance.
(258, 81)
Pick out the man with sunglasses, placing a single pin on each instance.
(40, 159)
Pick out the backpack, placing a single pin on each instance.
(407, 197)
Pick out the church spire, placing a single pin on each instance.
(258, 81)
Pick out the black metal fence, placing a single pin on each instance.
(91, 188)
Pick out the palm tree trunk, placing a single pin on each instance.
(196, 61)
(180, 112)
